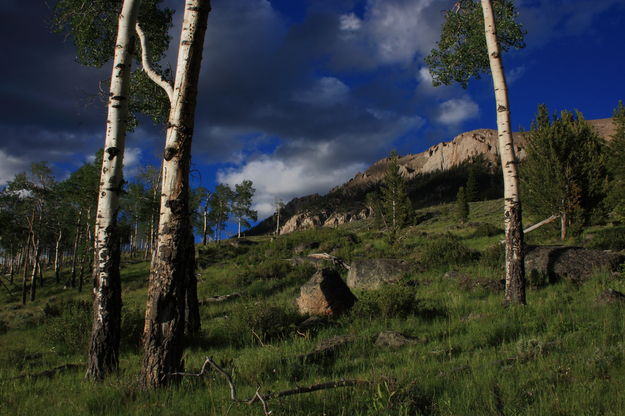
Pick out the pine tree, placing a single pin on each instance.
(462, 205)
(395, 205)
(564, 171)
(472, 188)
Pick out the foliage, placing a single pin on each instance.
(387, 302)
(616, 165)
(608, 239)
(472, 187)
(68, 327)
(394, 206)
(268, 322)
(460, 54)
(462, 205)
(242, 204)
(486, 229)
(564, 172)
(445, 250)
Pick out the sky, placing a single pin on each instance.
(300, 95)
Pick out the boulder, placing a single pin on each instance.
(373, 273)
(572, 263)
(325, 294)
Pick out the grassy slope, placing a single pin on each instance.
(560, 355)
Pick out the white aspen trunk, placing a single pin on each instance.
(239, 230)
(515, 268)
(57, 263)
(105, 335)
(563, 225)
(167, 295)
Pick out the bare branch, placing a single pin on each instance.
(147, 67)
(257, 397)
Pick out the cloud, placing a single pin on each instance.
(10, 166)
(327, 91)
(456, 110)
(350, 22)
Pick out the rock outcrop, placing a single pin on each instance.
(373, 273)
(325, 294)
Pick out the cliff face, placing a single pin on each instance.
(303, 213)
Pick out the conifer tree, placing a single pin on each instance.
(462, 205)
(564, 170)
(395, 203)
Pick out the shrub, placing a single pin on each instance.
(4, 327)
(609, 239)
(485, 229)
(267, 322)
(387, 302)
(446, 250)
(69, 326)
(494, 256)
(132, 328)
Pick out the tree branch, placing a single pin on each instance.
(147, 67)
(257, 397)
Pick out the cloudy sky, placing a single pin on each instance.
(300, 95)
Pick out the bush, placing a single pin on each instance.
(132, 328)
(4, 327)
(68, 327)
(609, 239)
(267, 270)
(388, 302)
(267, 322)
(494, 256)
(446, 250)
(485, 229)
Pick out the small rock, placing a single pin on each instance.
(394, 339)
(325, 294)
(610, 296)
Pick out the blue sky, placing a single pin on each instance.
(298, 95)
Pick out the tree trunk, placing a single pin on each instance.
(33, 276)
(515, 267)
(25, 271)
(12, 265)
(57, 263)
(105, 333)
(75, 251)
(165, 314)
(205, 224)
(563, 226)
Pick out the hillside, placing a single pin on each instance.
(435, 342)
(345, 202)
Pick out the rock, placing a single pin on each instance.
(394, 339)
(304, 247)
(300, 222)
(374, 273)
(325, 294)
(610, 296)
(572, 263)
(327, 347)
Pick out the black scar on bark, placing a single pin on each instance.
(112, 151)
(169, 153)
(176, 206)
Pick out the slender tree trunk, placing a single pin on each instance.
(105, 333)
(57, 262)
(205, 224)
(25, 272)
(515, 267)
(563, 226)
(75, 251)
(163, 335)
(33, 276)
(12, 265)
(239, 226)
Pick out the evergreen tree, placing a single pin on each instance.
(564, 171)
(395, 205)
(462, 205)
(472, 188)
(616, 165)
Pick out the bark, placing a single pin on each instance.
(165, 313)
(105, 334)
(205, 224)
(75, 251)
(57, 263)
(25, 272)
(12, 265)
(563, 224)
(515, 268)
(33, 276)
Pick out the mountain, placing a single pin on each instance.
(440, 170)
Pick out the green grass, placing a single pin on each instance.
(562, 354)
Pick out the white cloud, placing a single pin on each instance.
(285, 179)
(132, 158)
(456, 110)
(350, 22)
(515, 74)
(10, 166)
(326, 92)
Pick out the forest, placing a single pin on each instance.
(490, 288)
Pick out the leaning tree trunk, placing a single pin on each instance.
(105, 333)
(515, 268)
(165, 315)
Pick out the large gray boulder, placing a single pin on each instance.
(373, 273)
(571, 263)
(325, 294)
